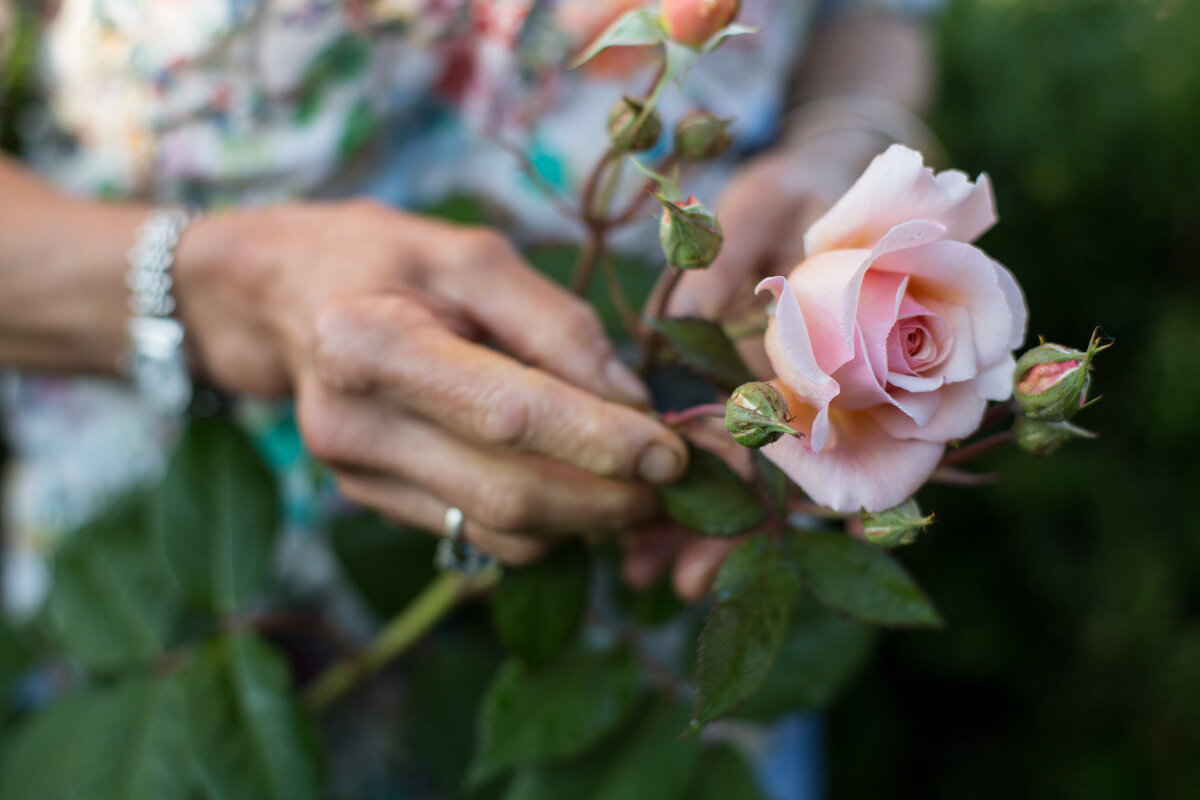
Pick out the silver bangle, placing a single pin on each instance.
(155, 361)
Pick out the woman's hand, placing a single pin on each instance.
(374, 319)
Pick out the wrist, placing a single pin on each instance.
(221, 280)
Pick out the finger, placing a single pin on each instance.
(754, 214)
(697, 565)
(537, 320)
(391, 346)
(649, 552)
(413, 506)
(504, 491)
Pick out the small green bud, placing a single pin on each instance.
(757, 415)
(1052, 381)
(690, 235)
(896, 526)
(1042, 438)
(701, 135)
(626, 133)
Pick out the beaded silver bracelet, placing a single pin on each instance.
(155, 360)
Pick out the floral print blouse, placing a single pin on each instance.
(224, 102)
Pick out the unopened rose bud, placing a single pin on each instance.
(896, 526)
(694, 22)
(757, 415)
(1042, 438)
(701, 135)
(1052, 381)
(628, 134)
(690, 235)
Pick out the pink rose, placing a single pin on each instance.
(894, 333)
(694, 22)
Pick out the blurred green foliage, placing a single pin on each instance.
(1070, 663)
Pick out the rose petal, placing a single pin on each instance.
(958, 415)
(957, 274)
(866, 469)
(996, 382)
(827, 287)
(790, 351)
(896, 187)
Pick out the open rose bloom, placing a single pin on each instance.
(891, 337)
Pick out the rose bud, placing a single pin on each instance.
(1052, 381)
(694, 22)
(757, 415)
(896, 526)
(627, 133)
(701, 135)
(690, 235)
(1042, 438)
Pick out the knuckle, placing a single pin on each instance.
(338, 338)
(321, 427)
(504, 419)
(500, 506)
(582, 324)
(487, 246)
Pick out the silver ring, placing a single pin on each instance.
(455, 519)
(453, 554)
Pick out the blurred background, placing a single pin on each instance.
(1070, 663)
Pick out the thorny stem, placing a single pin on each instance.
(977, 449)
(675, 418)
(629, 317)
(650, 340)
(585, 265)
(436, 601)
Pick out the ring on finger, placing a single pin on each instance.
(455, 554)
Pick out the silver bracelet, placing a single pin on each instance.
(155, 361)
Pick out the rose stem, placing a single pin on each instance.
(638, 202)
(674, 418)
(436, 601)
(629, 318)
(995, 414)
(977, 449)
(650, 340)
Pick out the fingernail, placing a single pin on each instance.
(625, 383)
(660, 464)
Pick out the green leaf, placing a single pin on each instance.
(121, 742)
(776, 482)
(727, 32)
(634, 277)
(651, 607)
(711, 499)
(112, 601)
(754, 591)
(644, 761)
(655, 764)
(725, 775)
(388, 565)
(537, 609)
(445, 683)
(820, 653)
(218, 512)
(14, 659)
(860, 581)
(703, 346)
(250, 737)
(552, 713)
(637, 28)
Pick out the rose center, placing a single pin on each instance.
(918, 343)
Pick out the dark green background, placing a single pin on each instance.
(1070, 664)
